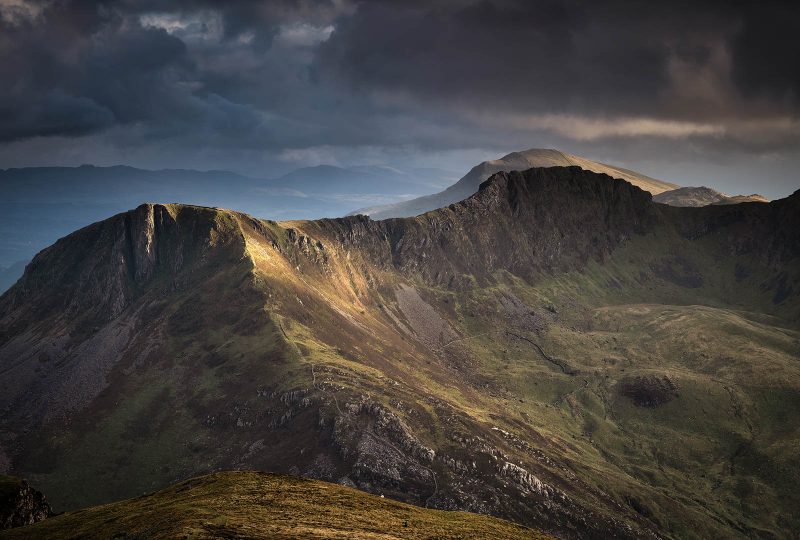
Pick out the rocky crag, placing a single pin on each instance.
(20, 504)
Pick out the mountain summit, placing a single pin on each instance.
(556, 349)
(515, 161)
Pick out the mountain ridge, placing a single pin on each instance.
(448, 359)
(41, 204)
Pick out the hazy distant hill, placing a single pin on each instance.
(516, 161)
(557, 350)
(362, 183)
(703, 196)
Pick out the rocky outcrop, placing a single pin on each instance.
(525, 480)
(386, 456)
(20, 504)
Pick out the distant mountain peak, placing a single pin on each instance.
(703, 196)
(514, 161)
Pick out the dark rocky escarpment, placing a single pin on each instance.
(98, 271)
(764, 234)
(524, 223)
(69, 320)
(559, 219)
(20, 504)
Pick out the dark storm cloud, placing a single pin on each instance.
(299, 77)
(532, 54)
(75, 69)
(71, 68)
(51, 112)
(611, 57)
(766, 51)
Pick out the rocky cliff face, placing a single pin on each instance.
(97, 272)
(557, 219)
(477, 357)
(20, 504)
(524, 223)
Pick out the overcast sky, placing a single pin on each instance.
(693, 93)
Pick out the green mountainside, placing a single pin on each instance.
(556, 350)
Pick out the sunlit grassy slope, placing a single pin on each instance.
(256, 505)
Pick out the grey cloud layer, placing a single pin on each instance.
(79, 67)
(718, 62)
(289, 75)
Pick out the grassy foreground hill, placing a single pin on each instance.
(258, 505)
(557, 350)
